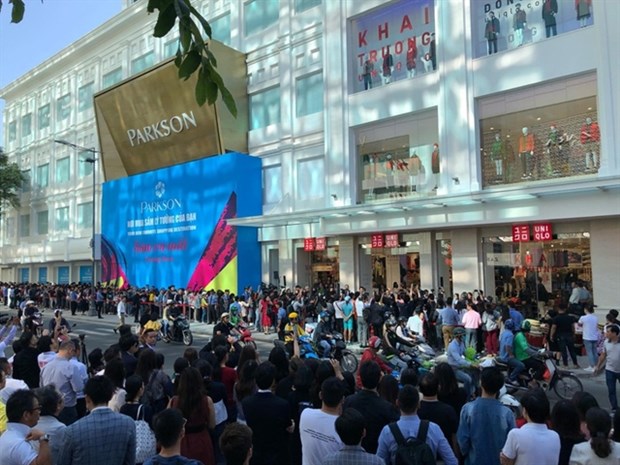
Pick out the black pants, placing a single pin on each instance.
(552, 29)
(492, 44)
(74, 306)
(566, 343)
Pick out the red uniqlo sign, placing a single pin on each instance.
(543, 232)
(391, 240)
(376, 241)
(320, 243)
(309, 244)
(520, 233)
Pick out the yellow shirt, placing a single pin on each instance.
(3, 418)
(288, 332)
(156, 325)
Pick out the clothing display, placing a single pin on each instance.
(519, 21)
(497, 155)
(526, 153)
(369, 67)
(491, 32)
(549, 11)
(590, 138)
(388, 65)
(583, 11)
(412, 54)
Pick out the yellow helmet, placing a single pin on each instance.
(292, 315)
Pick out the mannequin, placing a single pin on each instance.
(412, 54)
(435, 164)
(431, 52)
(519, 21)
(414, 170)
(549, 10)
(583, 11)
(590, 137)
(526, 153)
(497, 155)
(367, 70)
(553, 149)
(388, 66)
(491, 31)
(565, 145)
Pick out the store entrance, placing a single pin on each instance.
(389, 269)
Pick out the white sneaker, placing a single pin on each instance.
(589, 369)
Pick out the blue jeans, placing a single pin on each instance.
(611, 378)
(471, 337)
(516, 367)
(326, 347)
(591, 351)
(464, 378)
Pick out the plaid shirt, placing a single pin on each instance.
(353, 455)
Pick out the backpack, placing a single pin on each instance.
(146, 446)
(413, 451)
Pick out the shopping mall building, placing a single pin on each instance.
(463, 145)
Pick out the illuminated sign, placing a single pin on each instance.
(376, 241)
(320, 243)
(520, 233)
(543, 232)
(309, 244)
(391, 240)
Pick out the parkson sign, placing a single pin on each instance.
(151, 120)
(163, 128)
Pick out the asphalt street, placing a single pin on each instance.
(100, 333)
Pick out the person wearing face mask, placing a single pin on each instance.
(590, 138)
(526, 152)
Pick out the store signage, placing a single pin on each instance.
(543, 232)
(376, 241)
(309, 244)
(320, 243)
(520, 233)
(391, 240)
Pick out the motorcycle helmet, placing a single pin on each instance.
(526, 326)
(458, 332)
(402, 319)
(293, 316)
(374, 342)
(391, 321)
(509, 325)
(323, 315)
(387, 315)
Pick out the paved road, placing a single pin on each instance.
(99, 333)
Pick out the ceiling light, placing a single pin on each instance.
(589, 108)
(492, 129)
(538, 119)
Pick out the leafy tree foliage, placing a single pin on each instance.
(11, 181)
(193, 54)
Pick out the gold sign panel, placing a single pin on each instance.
(152, 120)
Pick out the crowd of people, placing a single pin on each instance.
(224, 404)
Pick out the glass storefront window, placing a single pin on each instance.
(406, 165)
(517, 268)
(393, 43)
(506, 25)
(325, 268)
(554, 141)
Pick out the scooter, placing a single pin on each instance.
(563, 382)
(346, 358)
(245, 335)
(179, 331)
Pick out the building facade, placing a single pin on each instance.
(463, 145)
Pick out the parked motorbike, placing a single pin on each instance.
(346, 358)
(563, 382)
(245, 335)
(179, 331)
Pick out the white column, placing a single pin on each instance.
(605, 255)
(466, 273)
(347, 251)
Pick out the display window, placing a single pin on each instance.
(520, 268)
(406, 165)
(547, 142)
(324, 265)
(394, 267)
(501, 25)
(393, 43)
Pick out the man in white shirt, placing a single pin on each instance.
(11, 328)
(121, 311)
(610, 358)
(533, 443)
(317, 426)
(11, 384)
(415, 324)
(589, 325)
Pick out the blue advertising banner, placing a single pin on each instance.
(43, 274)
(63, 275)
(86, 274)
(169, 226)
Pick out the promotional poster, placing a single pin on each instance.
(169, 226)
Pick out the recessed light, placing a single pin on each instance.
(492, 129)
(538, 119)
(508, 136)
(589, 108)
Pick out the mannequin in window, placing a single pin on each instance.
(565, 148)
(367, 70)
(509, 161)
(412, 54)
(435, 164)
(431, 52)
(549, 10)
(388, 66)
(590, 137)
(526, 153)
(491, 31)
(497, 155)
(414, 170)
(583, 11)
(553, 150)
(519, 21)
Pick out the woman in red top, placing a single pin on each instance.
(198, 410)
(371, 354)
(228, 377)
(265, 312)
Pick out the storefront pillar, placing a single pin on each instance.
(604, 236)
(466, 271)
(348, 275)
(427, 261)
(287, 262)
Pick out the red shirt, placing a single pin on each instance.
(229, 378)
(368, 356)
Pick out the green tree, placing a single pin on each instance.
(11, 181)
(193, 54)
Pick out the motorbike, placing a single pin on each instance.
(34, 323)
(346, 358)
(306, 347)
(245, 335)
(179, 331)
(563, 382)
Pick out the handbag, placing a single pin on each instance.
(146, 445)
